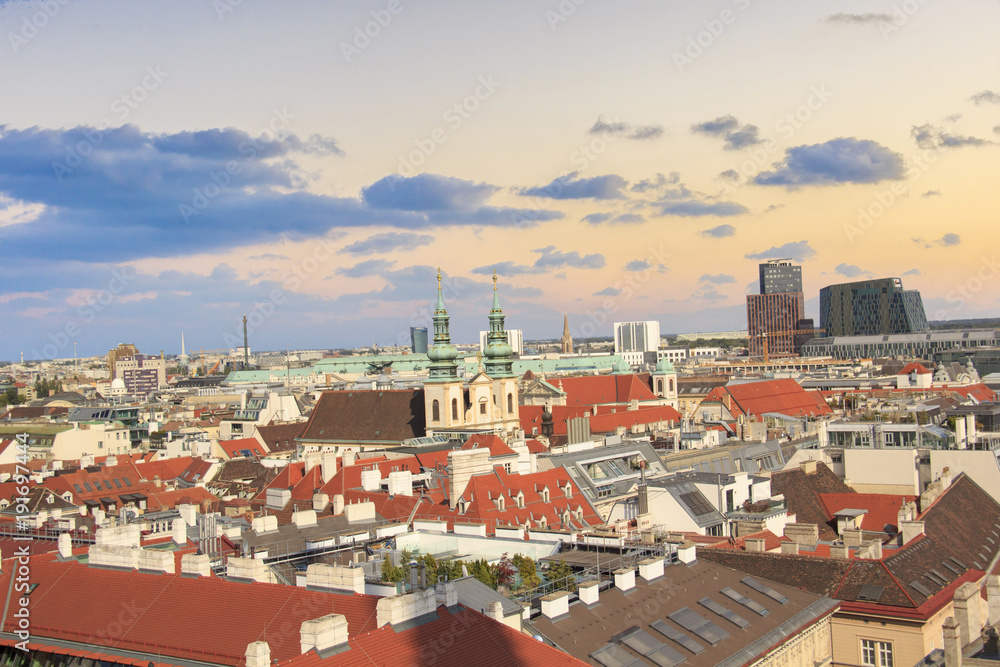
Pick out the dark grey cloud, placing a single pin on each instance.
(617, 127)
(719, 232)
(986, 97)
(858, 18)
(167, 195)
(949, 239)
(931, 137)
(730, 175)
(638, 265)
(799, 251)
(843, 160)
(388, 242)
(717, 279)
(596, 218)
(671, 197)
(549, 260)
(736, 136)
(426, 192)
(572, 187)
(851, 271)
(367, 268)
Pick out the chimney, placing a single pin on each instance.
(323, 633)
(952, 643)
(651, 569)
(65, 546)
(625, 579)
(401, 483)
(589, 592)
(970, 429)
(852, 537)
(907, 512)
(249, 569)
(338, 504)
(401, 608)
(189, 513)
(840, 551)
(157, 560)
(320, 501)
(178, 531)
(555, 605)
(278, 498)
(804, 534)
(495, 611)
(687, 553)
(329, 466)
(465, 464)
(968, 613)
(910, 530)
(790, 548)
(348, 458)
(206, 506)
(336, 578)
(157, 482)
(755, 544)
(304, 518)
(993, 598)
(808, 467)
(871, 550)
(371, 480)
(258, 655)
(358, 512)
(312, 459)
(196, 565)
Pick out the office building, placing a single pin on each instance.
(778, 311)
(418, 340)
(515, 338)
(871, 308)
(142, 374)
(779, 276)
(911, 346)
(637, 336)
(123, 350)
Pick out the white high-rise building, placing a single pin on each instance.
(637, 336)
(515, 338)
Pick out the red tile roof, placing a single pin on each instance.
(607, 419)
(883, 509)
(84, 604)
(919, 369)
(128, 481)
(602, 389)
(165, 469)
(771, 541)
(494, 443)
(757, 398)
(234, 448)
(164, 500)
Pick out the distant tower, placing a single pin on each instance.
(567, 337)
(444, 391)
(246, 343)
(184, 357)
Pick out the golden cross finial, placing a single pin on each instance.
(439, 278)
(494, 280)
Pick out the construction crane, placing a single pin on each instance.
(782, 334)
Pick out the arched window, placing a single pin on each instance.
(454, 408)
(659, 386)
(482, 406)
(510, 402)
(435, 411)
(671, 385)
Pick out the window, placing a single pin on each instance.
(454, 409)
(482, 406)
(86, 485)
(730, 501)
(435, 410)
(876, 653)
(77, 488)
(510, 402)
(659, 386)
(100, 444)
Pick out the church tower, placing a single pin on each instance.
(500, 369)
(444, 395)
(566, 346)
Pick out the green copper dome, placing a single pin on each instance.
(664, 366)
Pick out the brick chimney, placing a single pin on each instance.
(755, 544)
(323, 633)
(968, 612)
(808, 467)
(952, 643)
(258, 655)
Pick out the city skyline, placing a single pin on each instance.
(174, 167)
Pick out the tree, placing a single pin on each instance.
(391, 573)
(482, 571)
(431, 568)
(449, 570)
(505, 571)
(561, 576)
(528, 570)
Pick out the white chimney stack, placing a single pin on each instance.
(323, 633)
(258, 655)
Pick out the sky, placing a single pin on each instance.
(170, 167)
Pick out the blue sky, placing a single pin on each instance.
(175, 166)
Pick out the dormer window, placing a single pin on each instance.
(500, 503)
(520, 499)
(545, 494)
(568, 490)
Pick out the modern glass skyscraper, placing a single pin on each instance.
(870, 308)
(778, 310)
(778, 276)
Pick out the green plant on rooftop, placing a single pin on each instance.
(560, 575)
(391, 573)
(528, 571)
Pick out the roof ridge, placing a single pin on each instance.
(898, 582)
